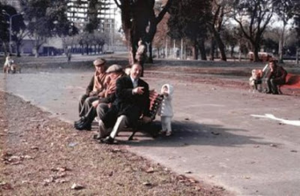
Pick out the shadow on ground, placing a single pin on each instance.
(191, 133)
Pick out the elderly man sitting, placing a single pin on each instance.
(108, 96)
(132, 102)
(95, 88)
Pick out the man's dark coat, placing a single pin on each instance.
(127, 103)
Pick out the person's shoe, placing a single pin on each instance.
(162, 132)
(107, 140)
(97, 137)
(83, 126)
(81, 120)
(168, 133)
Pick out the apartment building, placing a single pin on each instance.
(107, 14)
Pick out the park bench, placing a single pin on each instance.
(292, 84)
(155, 102)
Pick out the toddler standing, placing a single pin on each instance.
(166, 110)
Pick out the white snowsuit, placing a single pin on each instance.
(8, 62)
(166, 109)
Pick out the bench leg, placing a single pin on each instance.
(279, 91)
(132, 134)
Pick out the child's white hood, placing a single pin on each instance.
(170, 88)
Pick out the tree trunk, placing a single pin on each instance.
(181, 49)
(212, 49)
(5, 48)
(150, 57)
(18, 44)
(297, 55)
(82, 49)
(220, 44)
(195, 50)
(174, 49)
(256, 50)
(87, 49)
(202, 50)
(281, 43)
(240, 50)
(232, 52)
(37, 48)
(166, 48)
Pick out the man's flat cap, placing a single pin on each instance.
(114, 68)
(99, 61)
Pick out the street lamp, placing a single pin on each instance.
(10, 29)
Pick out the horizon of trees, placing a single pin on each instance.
(233, 24)
(208, 28)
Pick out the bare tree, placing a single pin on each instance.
(253, 17)
(219, 8)
(161, 35)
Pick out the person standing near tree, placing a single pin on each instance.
(140, 55)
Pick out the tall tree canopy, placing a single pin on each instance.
(139, 22)
(47, 18)
(4, 27)
(12, 27)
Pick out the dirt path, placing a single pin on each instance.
(41, 155)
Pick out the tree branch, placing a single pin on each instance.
(163, 11)
(118, 4)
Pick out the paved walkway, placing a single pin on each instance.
(221, 135)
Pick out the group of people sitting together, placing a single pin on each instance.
(272, 76)
(119, 100)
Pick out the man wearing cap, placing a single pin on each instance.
(94, 90)
(114, 73)
(132, 102)
(100, 106)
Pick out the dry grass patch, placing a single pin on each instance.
(41, 155)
